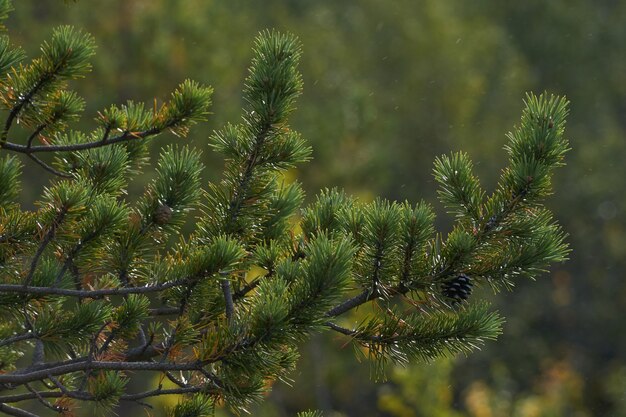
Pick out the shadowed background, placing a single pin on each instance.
(388, 87)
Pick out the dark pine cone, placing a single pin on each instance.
(162, 214)
(457, 289)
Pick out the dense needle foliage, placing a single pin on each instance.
(94, 293)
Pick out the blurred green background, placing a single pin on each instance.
(389, 85)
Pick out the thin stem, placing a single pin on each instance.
(44, 243)
(235, 205)
(107, 132)
(228, 298)
(124, 137)
(18, 288)
(58, 384)
(86, 396)
(38, 352)
(170, 343)
(42, 400)
(340, 329)
(70, 257)
(18, 338)
(163, 311)
(26, 98)
(34, 134)
(497, 218)
(353, 302)
(377, 266)
(49, 168)
(66, 368)
(145, 352)
(18, 412)
(161, 391)
(241, 191)
(175, 380)
(409, 252)
(248, 287)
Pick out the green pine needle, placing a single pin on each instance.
(197, 406)
(10, 170)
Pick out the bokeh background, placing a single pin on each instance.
(390, 85)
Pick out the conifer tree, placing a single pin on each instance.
(93, 293)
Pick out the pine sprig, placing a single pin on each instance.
(10, 170)
(326, 277)
(494, 241)
(189, 105)
(263, 145)
(17, 229)
(67, 54)
(459, 189)
(106, 388)
(535, 148)
(423, 336)
(416, 230)
(28, 88)
(9, 56)
(196, 406)
(326, 214)
(283, 204)
(74, 330)
(274, 82)
(6, 7)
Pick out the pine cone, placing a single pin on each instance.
(162, 215)
(457, 289)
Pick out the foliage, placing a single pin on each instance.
(95, 289)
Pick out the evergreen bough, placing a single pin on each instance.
(93, 295)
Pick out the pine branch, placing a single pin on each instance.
(18, 338)
(45, 370)
(232, 352)
(124, 137)
(240, 192)
(65, 57)
(37, 131)
(161, 391)
(70, 257)
(339, 329)
(243, 291)
(164, 311)
(42, 401)
(175, 380)
(228, 297)
(49, 168)
(13, 411)
(93, 294)
(352, 303)
(86, 396)
(20, 104)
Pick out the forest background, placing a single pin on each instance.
(389, 86)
